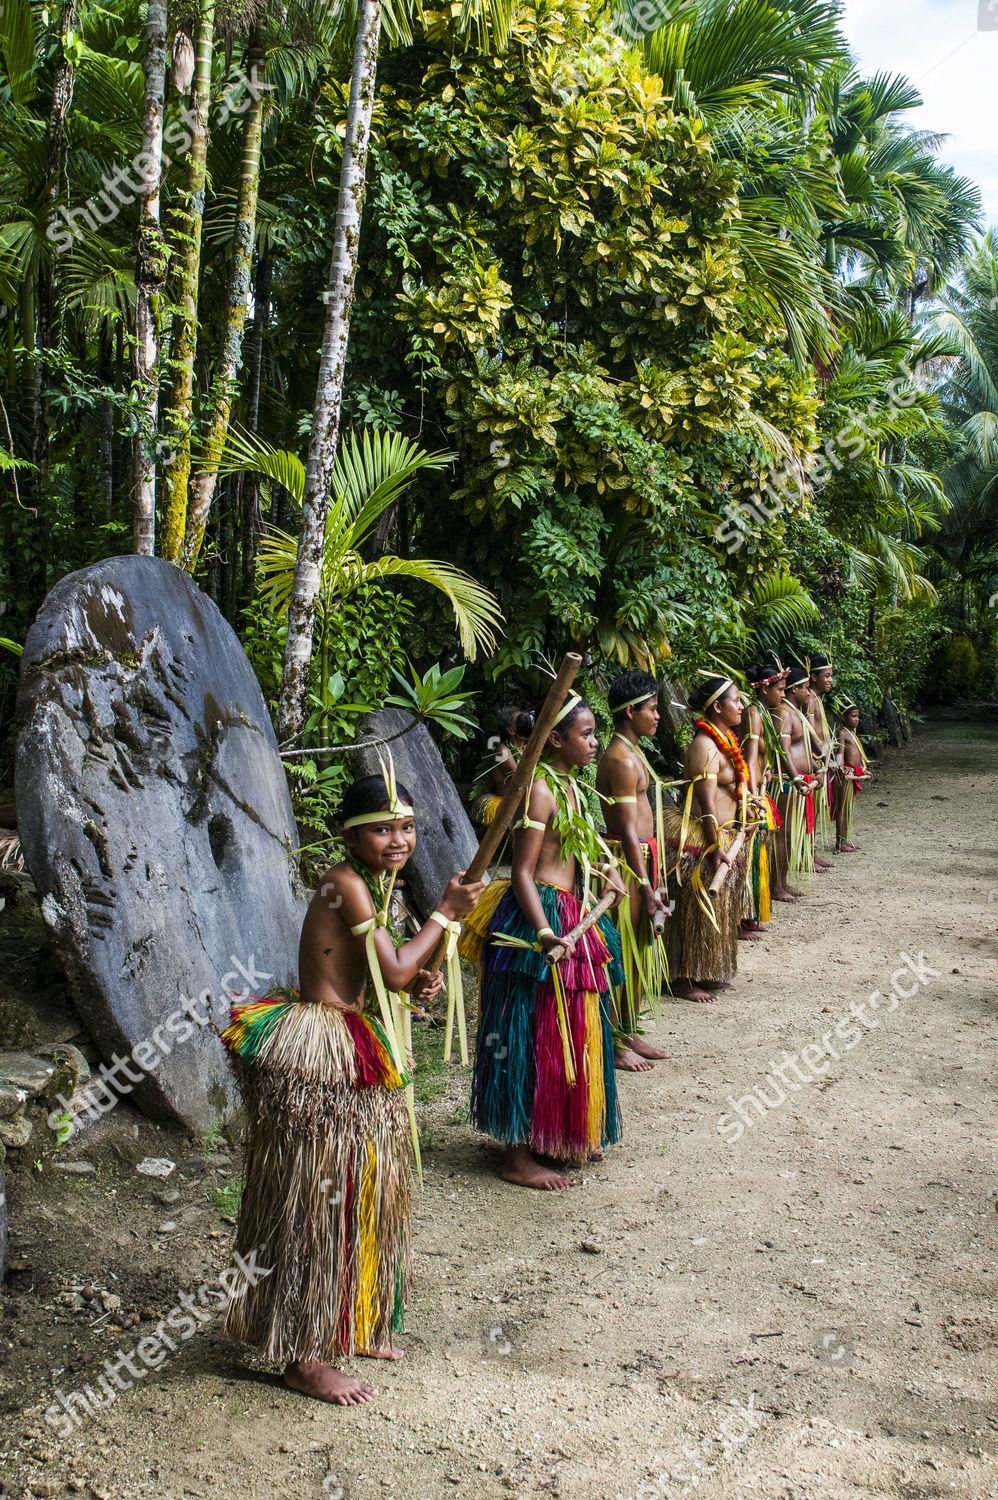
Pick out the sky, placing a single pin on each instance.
(949, 50)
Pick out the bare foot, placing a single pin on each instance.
(326, 1384)
(628, 1061)
(747, 934)
(381, 1353)
(786, 894)
(845, 848)
(521, 1167)
(821, 865)
(645, 1049)
(688, 989)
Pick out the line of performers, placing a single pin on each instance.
(612, 903)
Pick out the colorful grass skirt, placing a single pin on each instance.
(522, 1093)
(326, 1202)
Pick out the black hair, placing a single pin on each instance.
(569, 719)
(515, 722)
(819, 663)
(756, 671)
(627, 687)
(369, 794)
(796, 677)
(706, 689)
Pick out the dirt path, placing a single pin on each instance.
(806, 1312)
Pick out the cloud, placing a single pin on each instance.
(953, 62)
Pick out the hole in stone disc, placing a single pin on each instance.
(448, 825)
(219, 837)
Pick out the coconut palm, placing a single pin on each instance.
(967, 543)
(371, 472)
(751, 70)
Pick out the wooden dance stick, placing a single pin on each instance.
(660, 918)
(519, 783)
(557, 953)
(723, 869)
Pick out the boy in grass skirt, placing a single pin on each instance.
(760, 742)
(851, 772)
(325, 1076)
(820, 681)
(798, 784)
(544, 1084)
(623, 783)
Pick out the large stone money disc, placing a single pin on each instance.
(156, 822)
(445, 838)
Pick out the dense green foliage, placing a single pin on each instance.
(672, 303)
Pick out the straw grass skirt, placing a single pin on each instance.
(696, 948)
(326, 1202)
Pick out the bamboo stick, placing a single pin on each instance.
(723, 869)
(518, 784)
(557, 953)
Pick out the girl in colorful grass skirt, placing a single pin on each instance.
(544, 1083)
(325, 1079)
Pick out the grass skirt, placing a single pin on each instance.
(846, 788)
(326, 1201)
(484, 809)
(521, 1094)
(761, 867)
(697, 949)
(801, 819)
(643, 956)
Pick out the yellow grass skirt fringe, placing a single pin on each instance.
(695, 948)
(327, 1202)
(643, 956)
(484, 809)
(477, 922)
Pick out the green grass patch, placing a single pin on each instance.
(430, 1072)
(229, 1197)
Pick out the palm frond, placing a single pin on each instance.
(476, 611)
(246, 452)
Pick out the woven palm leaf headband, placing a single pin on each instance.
(396, 807)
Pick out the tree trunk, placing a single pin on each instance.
(150, 268)
(178, 418)
(225, 386)
(329, 391)
(250, 493)
(62, 98)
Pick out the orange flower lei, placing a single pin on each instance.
(731, 748)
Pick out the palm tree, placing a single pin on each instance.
(480, 16)
(149, 273)
(751, 70)
(967, 543)
(879, 503)
(371, 472)
(189, 218)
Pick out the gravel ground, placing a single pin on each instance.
(807, 1311)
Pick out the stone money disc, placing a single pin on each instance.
(156, 822)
